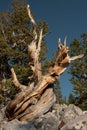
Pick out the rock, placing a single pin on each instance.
(71, 112)
(79, 123)
(60, 117)
(58, 110)
(17, 125)
(47, 122)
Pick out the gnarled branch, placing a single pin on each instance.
(16, 82)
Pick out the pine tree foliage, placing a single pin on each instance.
(71, 99)
(78, 70)
(57, 91)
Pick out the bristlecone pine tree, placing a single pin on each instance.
(38, 97)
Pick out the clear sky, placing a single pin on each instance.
(65, 18)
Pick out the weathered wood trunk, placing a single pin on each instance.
(39, 95)
(35, 100)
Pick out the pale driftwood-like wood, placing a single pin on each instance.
(16, 82)
(44, 104)
(35, 47)
(37, 98)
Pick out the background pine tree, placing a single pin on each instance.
(78, 71)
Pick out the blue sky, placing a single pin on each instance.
(65, 18)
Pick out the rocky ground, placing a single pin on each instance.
(60, 117)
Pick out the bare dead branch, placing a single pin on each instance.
(76, 57)
(30, 16)
(65, 42)
(16, 82)
(40, 40)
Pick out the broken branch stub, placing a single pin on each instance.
(36, 99)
